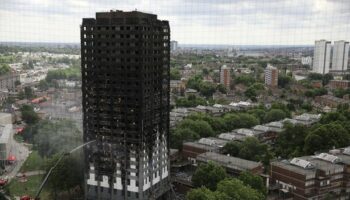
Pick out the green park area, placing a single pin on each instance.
(30, 187)
(33, 163)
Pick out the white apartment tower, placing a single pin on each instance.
(173, 45)
(340, 56)
(322, 57)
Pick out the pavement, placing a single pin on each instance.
(21, 152)
(33, 173)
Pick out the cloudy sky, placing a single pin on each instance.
(235, 22)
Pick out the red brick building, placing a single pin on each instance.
(312, 177)
(339, 84)
(331, 101)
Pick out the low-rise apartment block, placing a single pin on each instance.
(313, 177)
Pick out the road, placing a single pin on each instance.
(21, 152)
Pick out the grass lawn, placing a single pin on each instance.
(18, 138)
(16, 188)
(33, 162)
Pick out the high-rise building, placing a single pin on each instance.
(306, 60)
(173, 45)
(271, 76)
(125, 84)
(225, 77)
(322, 57)
(340, 56)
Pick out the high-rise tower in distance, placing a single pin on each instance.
(125, 83)
(225, 77)
(271, 76)
(322, 57)
(340, 56)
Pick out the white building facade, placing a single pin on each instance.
(173, 45)
(340, 56)
(322, 57)
(307, 60)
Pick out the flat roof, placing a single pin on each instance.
(323, 165)
(299, 170)
(200, 146)
(319, 164)
(5, 133)
(228, 161)
(345, 159)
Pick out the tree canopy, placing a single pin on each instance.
(250, 149)
(29, 115)
(274, 115)
(254, 181)
(4, 69)
(208, 175)
(67, 174)
(326, 137)
(240, 120)
(175, 74)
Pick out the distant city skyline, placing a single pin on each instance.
(226, 22)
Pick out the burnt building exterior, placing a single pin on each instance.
(125, 87)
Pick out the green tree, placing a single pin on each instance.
(240, 120)
(332, 117)
(236, 189)
(201, 127)
(194, 82)
(222, 88)
(205, 71)
(290, 142)
(232, 148)
(252, 149)
(179, 135)
(208, 175)
(315, 76)
(207, 89)
(326, 78)
(258, 113)
(67, 174)
(28, 92)
(254, 181)
(43, 85)
(325, 137)
(190, 101)
(217, 123)
(29, 115)
(4, 69)
(205, 194)
(174, 74)
(17, 83)
(251, 93)
(71, 73)
(245, 80)
(274, 115)
(281, 106)
(306, 106)
(284, 81)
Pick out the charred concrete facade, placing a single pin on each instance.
(125, 84)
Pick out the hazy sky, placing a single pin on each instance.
(236, 22)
